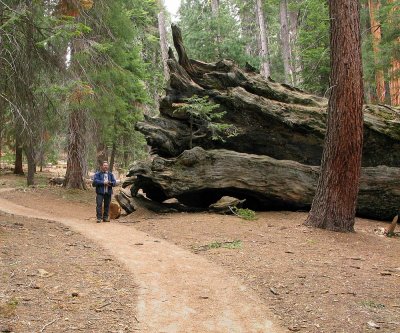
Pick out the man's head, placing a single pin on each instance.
(104, 166)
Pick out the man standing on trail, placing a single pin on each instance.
(103, 181)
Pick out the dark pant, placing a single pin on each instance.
(99, 202)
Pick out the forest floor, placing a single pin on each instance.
(310, 280)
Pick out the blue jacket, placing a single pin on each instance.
(98, 182)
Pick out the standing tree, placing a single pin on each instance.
(265, 68)
(334, 204)
(285, 42)
(374, 6)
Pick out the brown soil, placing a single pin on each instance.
(313, 280)
(55, 280)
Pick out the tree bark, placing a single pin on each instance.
(374, 6)
(76, 160)
(334, 204)
(18, 169)
(198, 178)
(101, 154)
(271, 119)
(395, 63)
(265, 67)
(31, 161)
(112, 156)
(296, 59)
(285, 43)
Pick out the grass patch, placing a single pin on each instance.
(236, 244)
(7, 310)
(244, 213)
(372, 305)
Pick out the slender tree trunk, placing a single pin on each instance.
(163, 43)
(374, 6)
(126, 153)
(334, 203)
(112, 156)
(249, 27)
(32, 115)
(265, 68)
(285, 42)
(18, 169)
(296, 59)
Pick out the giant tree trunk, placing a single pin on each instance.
(76, 160)
(334, 204)
(271, 119)
(265, 67)
(101, 153)
(198, 178)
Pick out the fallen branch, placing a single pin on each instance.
(48, 324)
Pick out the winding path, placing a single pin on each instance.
(178, 291)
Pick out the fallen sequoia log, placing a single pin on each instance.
(198, 178)
(270, 118)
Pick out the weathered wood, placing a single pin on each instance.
(198, 178)
(271, 119)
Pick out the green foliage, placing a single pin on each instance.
(245, 213)
(313, 45)
(201, 111)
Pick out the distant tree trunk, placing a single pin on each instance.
(163, 43)
(30, 157)
(296, 59)
(215, 15)
(265, 68)
(395, 63)
(249, 27)
(334, 204)
(285, 42)
(125, 140)
(374, 6)
(112, 156)
(18, 169)
(101, 154)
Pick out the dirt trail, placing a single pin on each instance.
(178, 291)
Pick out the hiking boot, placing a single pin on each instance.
(98, 220)
(106, 219)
